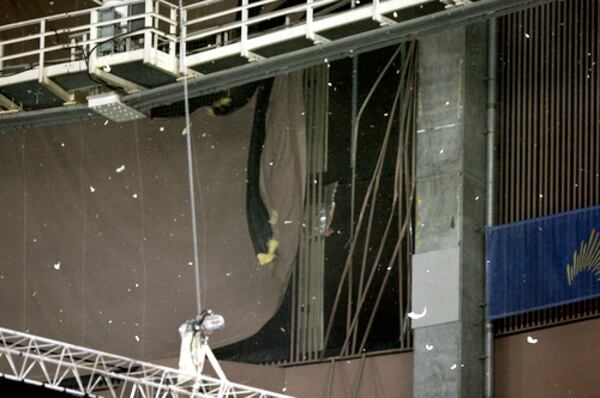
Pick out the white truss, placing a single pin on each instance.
(85, 372)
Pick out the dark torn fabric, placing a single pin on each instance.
(96, 237)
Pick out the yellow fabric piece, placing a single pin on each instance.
(266, 258)
(223, 102)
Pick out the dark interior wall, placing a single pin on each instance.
(272, 343)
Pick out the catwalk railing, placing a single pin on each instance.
(94, 40)
(85, 372)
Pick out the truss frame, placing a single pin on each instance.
(83, 371)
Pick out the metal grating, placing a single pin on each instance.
(549, 143)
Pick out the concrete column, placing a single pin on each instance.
(448, 266)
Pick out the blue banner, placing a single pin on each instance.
(544, 262)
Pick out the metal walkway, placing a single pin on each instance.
(49, 66)
(85, 372)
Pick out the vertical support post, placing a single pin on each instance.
(309, 20)
(156, 22)
(492, 97)
(42, 52)
(447, 272)
(183, 44)
(244, 30)
(148, 44)
(376, 11)
(94, 17)
(1, 55)
(172, 32)
(73, 43)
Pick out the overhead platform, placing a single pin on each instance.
(56, 62)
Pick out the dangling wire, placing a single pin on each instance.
(186, 101)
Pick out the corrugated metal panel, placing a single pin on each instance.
(550, 110)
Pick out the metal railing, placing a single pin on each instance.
(76, 34)
(81, 40)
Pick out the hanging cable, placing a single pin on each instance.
(186, 101)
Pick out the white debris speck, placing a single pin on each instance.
(57, 266)
(106, 122)
(531, 340)
(395, 14)
(329, 84)
(271, 163)
(137, 338)
(190, 263)
(386, 114)
(453, 366)
(184, 131)
(228, 274)
(161, 129)
(541, 195)
(62, 144)
(34, 294)
(325, 60)
(282, 329)
(109, 321)
(447, 103)
(120, 169)
(477, 197)
(527, 36)
(418, 315)
(106, 68)
(288, 222)
(442, 150)
(137, 285)
(92, 189)
(428, 347)
(284, 389)
(1, 276)
(34, 240)
(135, 195)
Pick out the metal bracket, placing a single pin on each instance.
(253, 57)
(318, 39)
(9, 104)
(128, 86)
(66, 97)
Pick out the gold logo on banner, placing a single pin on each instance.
(587, 259)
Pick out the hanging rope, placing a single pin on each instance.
(188, 135)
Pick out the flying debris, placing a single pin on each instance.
(413, 315)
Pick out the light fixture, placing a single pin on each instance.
(110, 106)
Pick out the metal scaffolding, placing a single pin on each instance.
(82, 371)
